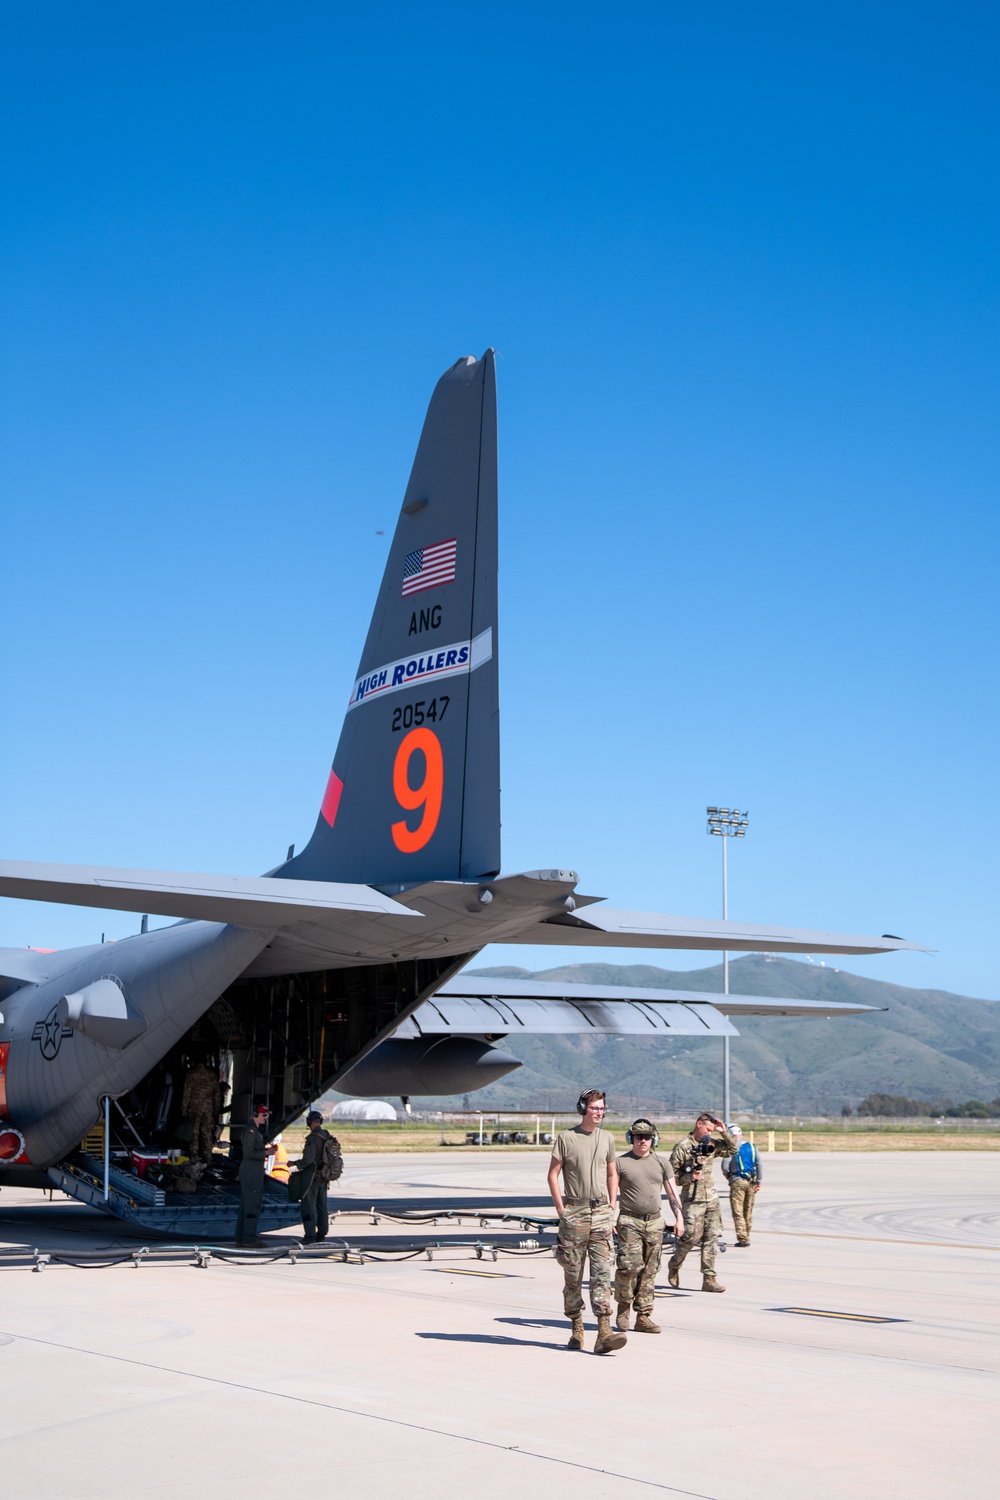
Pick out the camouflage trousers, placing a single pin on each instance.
(202, 1135)
(742, 1192)
(703, 1227)
(586, 1232)
(640, 1246)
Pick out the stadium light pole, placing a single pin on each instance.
(726, 823)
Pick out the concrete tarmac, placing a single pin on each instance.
(450, 1378)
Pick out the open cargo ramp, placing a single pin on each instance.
(208, 1214)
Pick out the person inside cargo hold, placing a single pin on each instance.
(200, 1105)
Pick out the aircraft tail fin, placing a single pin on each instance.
(414, 792)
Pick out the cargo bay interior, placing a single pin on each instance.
(282, 1040)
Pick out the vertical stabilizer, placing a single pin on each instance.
(414, 793)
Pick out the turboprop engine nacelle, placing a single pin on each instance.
(426, 1065)
(101, 1012)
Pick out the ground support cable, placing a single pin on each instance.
(343, 1250)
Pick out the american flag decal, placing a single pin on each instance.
(429, 566)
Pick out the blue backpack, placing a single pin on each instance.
(745, 1161)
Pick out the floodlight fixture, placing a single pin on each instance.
(727, 822)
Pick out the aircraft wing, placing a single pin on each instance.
(476, 1005)
(609, 928)
(245, 900)
(551, 1010)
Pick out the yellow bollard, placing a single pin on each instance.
(789, 1140)
(770, 1140)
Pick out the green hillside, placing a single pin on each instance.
(927, 1044)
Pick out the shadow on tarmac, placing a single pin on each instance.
(535, 1322)
(489, 1338)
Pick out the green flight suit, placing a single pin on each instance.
(251, 1184)
(315, 1214)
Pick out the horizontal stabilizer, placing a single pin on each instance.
(608, 928)
(25, 965)
(245, 900)
(482, 1005)
(822, 1010)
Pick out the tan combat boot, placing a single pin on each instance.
(607, 1337)
(624, 1314)
(709, 1284)
(576, 1333)
(673, 1274)
(645, 1324)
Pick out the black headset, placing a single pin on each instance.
(581, 1103)
(652, 1130)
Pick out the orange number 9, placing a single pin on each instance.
(427, 795)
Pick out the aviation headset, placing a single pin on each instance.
(645, 1127)
(581, 1103)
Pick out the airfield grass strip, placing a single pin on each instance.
(404, 1138)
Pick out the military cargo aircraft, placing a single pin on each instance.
(342, 967)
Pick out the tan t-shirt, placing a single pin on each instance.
(585, 1162)
(640, 1183)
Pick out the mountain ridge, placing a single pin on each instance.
(927, 1044)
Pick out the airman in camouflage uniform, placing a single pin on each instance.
(702, 1214)
(743, 1172)
(585, 1159)
(642, 1178)
(200, 1104)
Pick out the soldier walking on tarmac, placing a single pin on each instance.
(585, 1156)
(692, 1160)
(200, 1105)
(252, 1176)
(642, 1177)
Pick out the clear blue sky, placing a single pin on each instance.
(741, 265)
